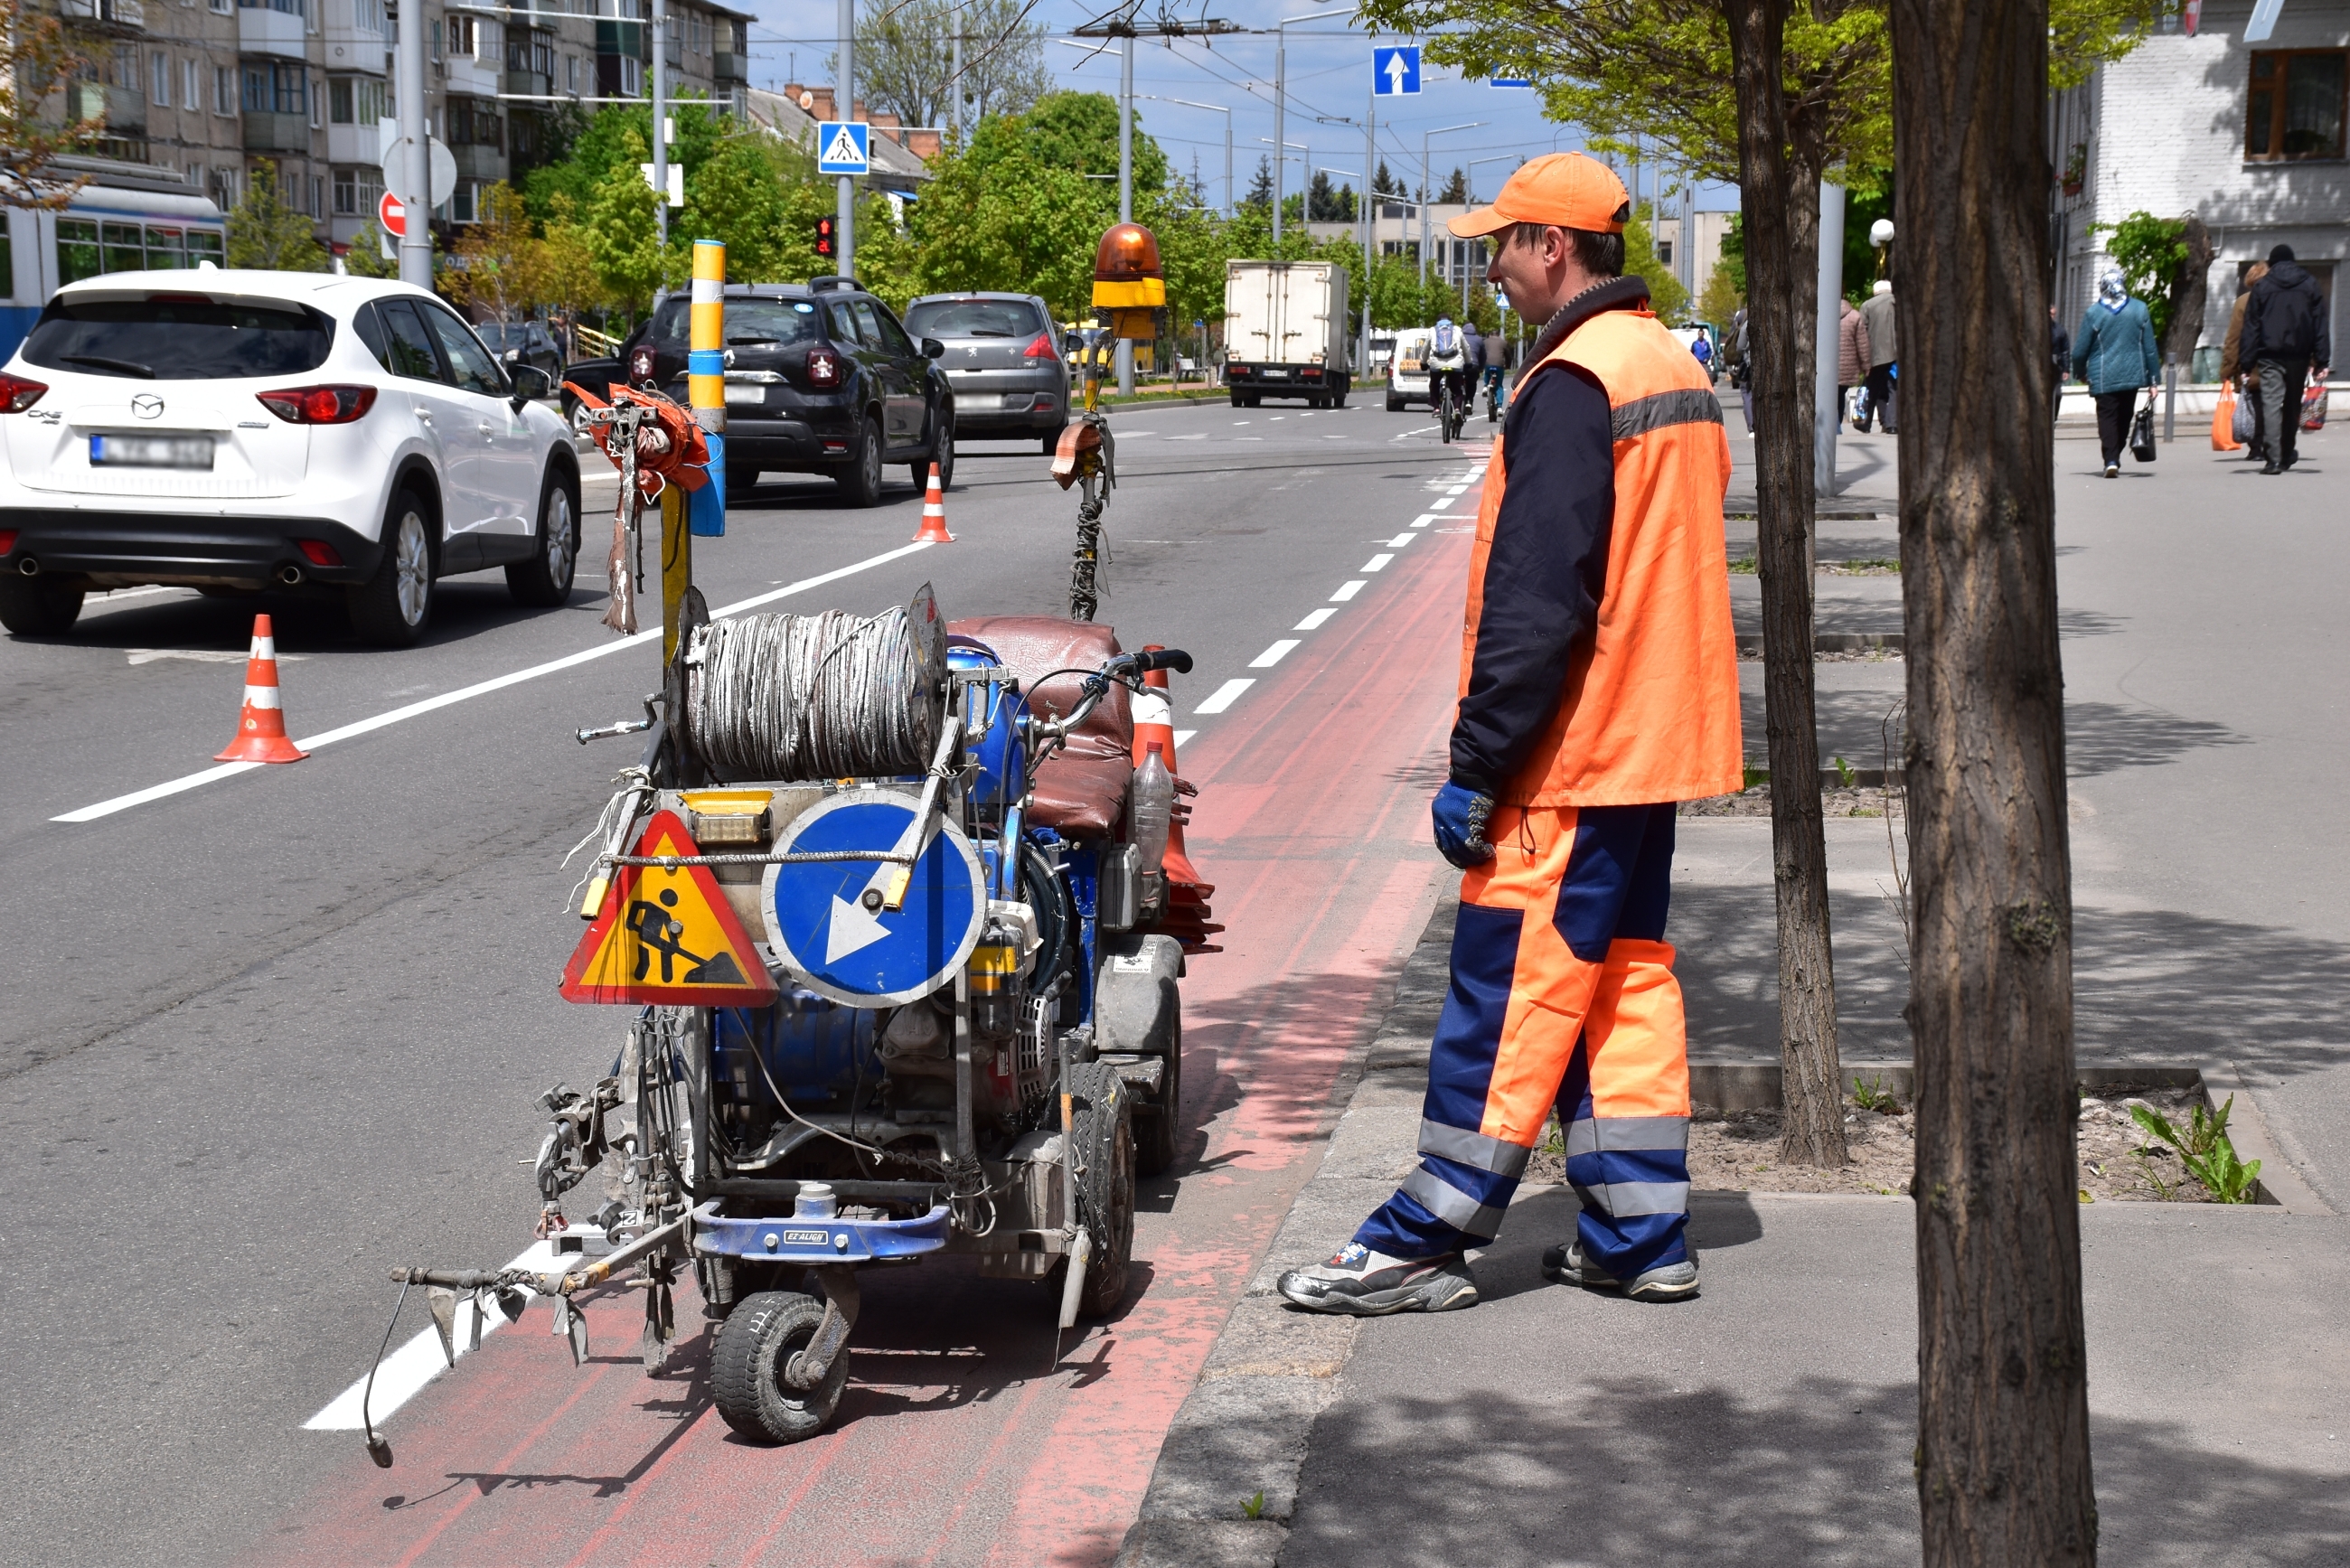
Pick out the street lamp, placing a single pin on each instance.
(1280, 103)
(1227, 114)
(1426, 180)
(1471, 166)
(1280, 172)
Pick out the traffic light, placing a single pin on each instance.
(825, 246)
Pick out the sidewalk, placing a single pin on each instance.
(1772, 1421)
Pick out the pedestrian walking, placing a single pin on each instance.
(2234, 368)
(2114, 351)
(1599, 685)
(1883, 359)
(1852, 355)
(2285, 335)
(1701, 348)
(2060, 357)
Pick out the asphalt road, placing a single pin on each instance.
(269, 1033)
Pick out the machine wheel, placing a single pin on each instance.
(38, 607)
(756, 1342)
(1104, 1134)
(942, 452)
(860, 482)
(1160, 1123)
(543, 581)
(391, 609)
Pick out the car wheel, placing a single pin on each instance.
(1239, 401)
(1395, 405)
(1339, 399)
(1051, 443)
(1255, 400)
(543, 581)
(941, 453)
(860, 482)
(38, 607)
(577, 412)
(391, 607)
(740, 482)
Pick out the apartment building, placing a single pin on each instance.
(204, 90)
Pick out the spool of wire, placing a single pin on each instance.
(824, 696)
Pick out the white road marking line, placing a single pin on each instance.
(1401, 540)
(1273, 655)
(1424, 519)
(1421, 430)
(1347, 591)
(1225, 695)
(203, 655)
(1240, 421)
(1130, 435)
(1183, 738)
(406, 1371)
(479, 689)
(1199, 437)
(1278, 418)
(1314, 619)
(1248, 438)
(1376, 562)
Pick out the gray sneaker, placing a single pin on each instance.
(1566, 1264)
(1346, 1285)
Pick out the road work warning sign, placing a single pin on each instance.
(668, 935)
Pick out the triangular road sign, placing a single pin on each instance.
(844, 147)
(667, 936)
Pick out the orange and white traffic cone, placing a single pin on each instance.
(261, 728)
(934, 529)
(1187, 916)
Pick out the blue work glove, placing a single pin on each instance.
(1460, 815)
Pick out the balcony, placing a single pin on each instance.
(474, 77)
(263, 31)
(530, 84)
(730, 66)
(121, 15)
(268, 133)
(124, 109)
(480, 162)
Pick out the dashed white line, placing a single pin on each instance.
(1273, 655)
(1347, 591)
(1224, 696)
(1314, 619)
(1401, 540)
(1183, 738)
(1377, 563)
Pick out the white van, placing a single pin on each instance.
(1408, 371)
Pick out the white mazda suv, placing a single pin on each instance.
(231, 431)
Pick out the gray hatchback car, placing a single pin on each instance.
(1004, 359)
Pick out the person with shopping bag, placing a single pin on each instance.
(2236, 372)
(2287, 336)
(2114, 351)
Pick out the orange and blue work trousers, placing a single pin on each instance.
(1563, 994)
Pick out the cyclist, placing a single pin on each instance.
(1448, 356)
(1497, 351)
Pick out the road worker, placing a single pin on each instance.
(1598, 686)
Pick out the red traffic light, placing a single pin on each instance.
(824, 238)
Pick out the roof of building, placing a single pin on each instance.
(894, 166)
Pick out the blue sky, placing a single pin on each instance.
(1329, 74)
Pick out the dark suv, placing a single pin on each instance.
(819, 379)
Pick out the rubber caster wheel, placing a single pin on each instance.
(1104, 1134)
(756, 1342)
(1157, 1125)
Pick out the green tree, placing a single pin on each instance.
(366, 257)
(36, 58)
(1667, 297)
(1078, 130)
(736, 195)
(620, 233)
(622, 133)
(1259, 191)
(2151, 255)
(263, 232)
(905, 57)
(1720, 298)
(1456, 189)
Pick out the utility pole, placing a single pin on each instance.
(1370, 222)
(954, 89)
(845, 219)
(661, 120)
(1280, 108)
(415, 160)
(1426, 180)
(1126, 186)
(1219, 109)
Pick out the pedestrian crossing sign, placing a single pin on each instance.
(667, 934)
(841, 147)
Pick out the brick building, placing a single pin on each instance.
(2248, 137)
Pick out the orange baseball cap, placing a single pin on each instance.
(1569, 189)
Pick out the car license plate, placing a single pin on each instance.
(150, 451)
(748, 393)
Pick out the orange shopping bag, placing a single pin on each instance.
(2223, 421)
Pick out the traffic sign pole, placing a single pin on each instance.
(848, 110)
(415, 182)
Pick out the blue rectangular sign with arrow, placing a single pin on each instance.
(1395, 73)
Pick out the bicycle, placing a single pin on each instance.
(1493, 395)
(1449, 417)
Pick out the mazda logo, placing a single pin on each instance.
(147, 406)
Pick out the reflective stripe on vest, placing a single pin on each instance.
(1649, 706)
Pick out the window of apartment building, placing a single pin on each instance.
(192, 84)
(357, 191)
(314, 103)
(473, 123)
(123, 72)
(356, 100)
(223, 90)
(159, 67)
(570, 73)
(435, 40)
(287, 7)
(2296, 107)
(222, 6)
(276, 87)
(632, 76)
(368, 16)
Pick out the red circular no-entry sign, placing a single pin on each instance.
(387, 212)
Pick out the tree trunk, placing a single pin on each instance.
(2191, 295)
(1779, 206)
(2003, 1421)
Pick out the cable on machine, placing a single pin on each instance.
(830, 695)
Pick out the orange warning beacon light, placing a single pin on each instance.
(1129, 283)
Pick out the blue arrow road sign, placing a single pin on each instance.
(1395, 72)
(842, 147)
(830, 923)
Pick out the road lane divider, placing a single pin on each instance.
(1315, 619)
(1377, 563)
(1347, 591)
(1273, 655)
(479, 689)
(1224, 696)
(1401, 540)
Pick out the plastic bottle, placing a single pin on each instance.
(1150, 809)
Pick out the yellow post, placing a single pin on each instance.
(704, 511)
(676, 567)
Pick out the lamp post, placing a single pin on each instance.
(1471, 166)
(1227, 114)
(1280, 105)
(1427, 179)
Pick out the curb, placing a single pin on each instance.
(1243, 1430)
(1835, 642)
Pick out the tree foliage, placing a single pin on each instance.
(36, 58)
(493, 271)
(905, 59)
(2151, 255)
(263, 232)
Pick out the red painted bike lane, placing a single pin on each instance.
(960, 1440)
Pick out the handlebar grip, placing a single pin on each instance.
(1173, 659)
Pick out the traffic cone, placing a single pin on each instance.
(261, 728)
(1187, 916)
(934, 529)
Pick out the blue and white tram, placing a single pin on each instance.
(106, 228)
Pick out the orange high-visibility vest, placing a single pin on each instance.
(1649, 707)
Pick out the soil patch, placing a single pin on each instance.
(1866, 799)
(1738, 1151)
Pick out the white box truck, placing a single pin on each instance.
(1285, 332)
